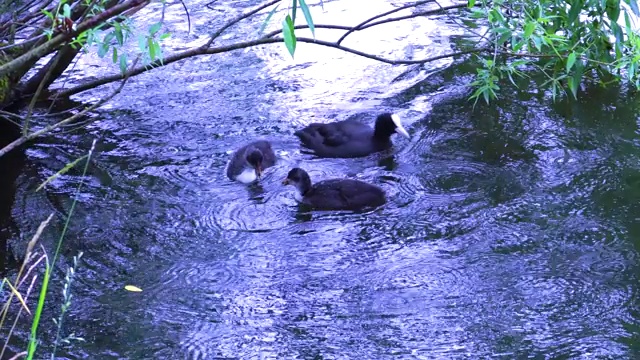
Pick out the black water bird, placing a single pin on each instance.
(351, 138)
(334, 194)
(248, 162)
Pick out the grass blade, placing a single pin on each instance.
(33, 339)
(64, 170)
(19, 296)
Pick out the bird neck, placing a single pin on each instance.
(304, 186)
(382, 134)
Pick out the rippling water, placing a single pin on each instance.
(511, 231)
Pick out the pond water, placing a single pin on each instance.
(512, 230)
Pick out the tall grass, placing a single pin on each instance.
(33, 259)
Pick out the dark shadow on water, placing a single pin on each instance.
(388, 163)
(11, 166)
(256, 192)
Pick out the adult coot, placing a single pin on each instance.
(351, 138)
(334, 194)
(248, 162)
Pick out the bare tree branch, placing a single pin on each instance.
(222, 49)
(351, 29)
(359, 26)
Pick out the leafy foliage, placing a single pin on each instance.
(568, 41)
(288, 23)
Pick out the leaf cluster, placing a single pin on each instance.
(568, 41)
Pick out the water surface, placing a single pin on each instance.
(511, 231)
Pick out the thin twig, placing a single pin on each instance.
(376, 23)
(34, 99)
(237, 20)
(186, 10)
(359, 26)
(222, 49)
(19, 355)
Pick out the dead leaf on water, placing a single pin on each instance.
(132, 288)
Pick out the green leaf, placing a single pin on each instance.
(573, 86)
(153, 29)
(627, 23)
(107, 39)
(289, 35)
(164, 36)
(528, 29)
(115, 55)
(517, 46)
(117, 29)
(505, 35)
(47, 13)
(570, 61)
(613, 10)
(576, 7)
(123, 63)
(537, 42)
(158, 50)
(294, 8)
(577, 73)
(266, 21)
(152, 49)
(471, 3)
(142, 44)
(634, 7)
(477, 14)
(617, 32)
(66, 10)
(103, 49)
(307, 16)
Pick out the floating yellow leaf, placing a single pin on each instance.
(132, 288)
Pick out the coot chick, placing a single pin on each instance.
(334, 194)
(351, 138)
(248, 162)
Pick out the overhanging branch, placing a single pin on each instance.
(58, 40)
(243, 45)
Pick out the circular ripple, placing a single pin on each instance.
(402, 189)
(207, 274)
(243, 215)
